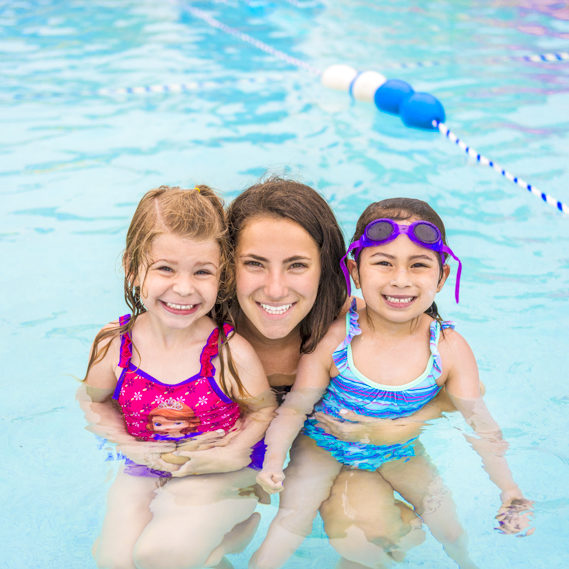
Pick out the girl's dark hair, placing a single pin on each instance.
(292, 200)
(402, 209)
(195, 214)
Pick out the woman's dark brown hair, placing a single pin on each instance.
(402, 209)
(292, 200)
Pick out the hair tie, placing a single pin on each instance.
(197, 188)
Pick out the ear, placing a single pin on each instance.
(444, 277)
(354, 273)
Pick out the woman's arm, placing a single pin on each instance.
(233, 450)
(463, 387)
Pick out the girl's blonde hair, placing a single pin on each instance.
(194, 214)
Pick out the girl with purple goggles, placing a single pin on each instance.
(384, 230)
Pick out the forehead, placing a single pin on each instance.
(275, 236)
(172, 245)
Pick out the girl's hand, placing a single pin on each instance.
(271, 480)
(514, 517)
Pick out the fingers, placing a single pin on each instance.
(515, 517)
(271, 482)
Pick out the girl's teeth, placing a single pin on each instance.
(396, 300)
(180, 306)
(275, 309)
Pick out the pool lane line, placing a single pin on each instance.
(432, 103)
(472, 153)
(205, 17)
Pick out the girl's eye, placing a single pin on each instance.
(383, 263)
(204, 272)
(165, 268)
(253, 264)
(298, 266)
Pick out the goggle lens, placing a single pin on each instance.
(426, 233)
(379, 230)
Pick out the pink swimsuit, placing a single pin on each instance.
(154, 410)
(159, 411)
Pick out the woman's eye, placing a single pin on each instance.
(203, 272)
(253, 264)
(165, 269)
(298, 266)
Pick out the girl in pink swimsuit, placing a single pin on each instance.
(168, 380)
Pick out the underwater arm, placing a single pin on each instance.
(463, 387)
(105, 419)
(232, 451)
(312, 379)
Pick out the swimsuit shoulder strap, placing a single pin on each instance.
(435, 333)
(211, 350)
(126, 344)
(352, 329)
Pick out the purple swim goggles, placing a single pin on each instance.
(381, 231)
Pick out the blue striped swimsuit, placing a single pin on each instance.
(353, 391)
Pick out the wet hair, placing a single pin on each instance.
(194, 214)
(402, 209)
(287, 199)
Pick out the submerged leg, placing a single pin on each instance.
(419, 482)
(128, 512)
(191, 518)
(365, 523)
(309, 476)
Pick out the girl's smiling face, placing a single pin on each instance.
(277, 274)
(180, 284)
(399, 279)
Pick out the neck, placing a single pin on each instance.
(376, 324)
(169, 338)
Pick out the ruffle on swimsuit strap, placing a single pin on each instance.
(352, 326)
(126, 344)
(435, 332)
(210, 351)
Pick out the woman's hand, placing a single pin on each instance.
(514, 517)
(271, 479)
(212, 460)
(370, 430)
(148, 453)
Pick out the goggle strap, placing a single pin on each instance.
(344, 268)
(447, 250)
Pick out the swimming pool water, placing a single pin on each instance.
(75, 159)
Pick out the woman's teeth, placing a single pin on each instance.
(275, 309)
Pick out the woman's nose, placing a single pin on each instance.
(275, 285)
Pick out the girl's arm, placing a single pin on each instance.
(463, 388)
(312, 379)
(105, 419)
(233, 452)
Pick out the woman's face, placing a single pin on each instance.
(277, 274)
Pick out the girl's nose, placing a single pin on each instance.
(275, 285)
(401, 278)
(183, 285)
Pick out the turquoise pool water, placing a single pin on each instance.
(76, 155)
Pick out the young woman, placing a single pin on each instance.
(288, 290)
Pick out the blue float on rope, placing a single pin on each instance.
(390, 96)
(422, 110)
